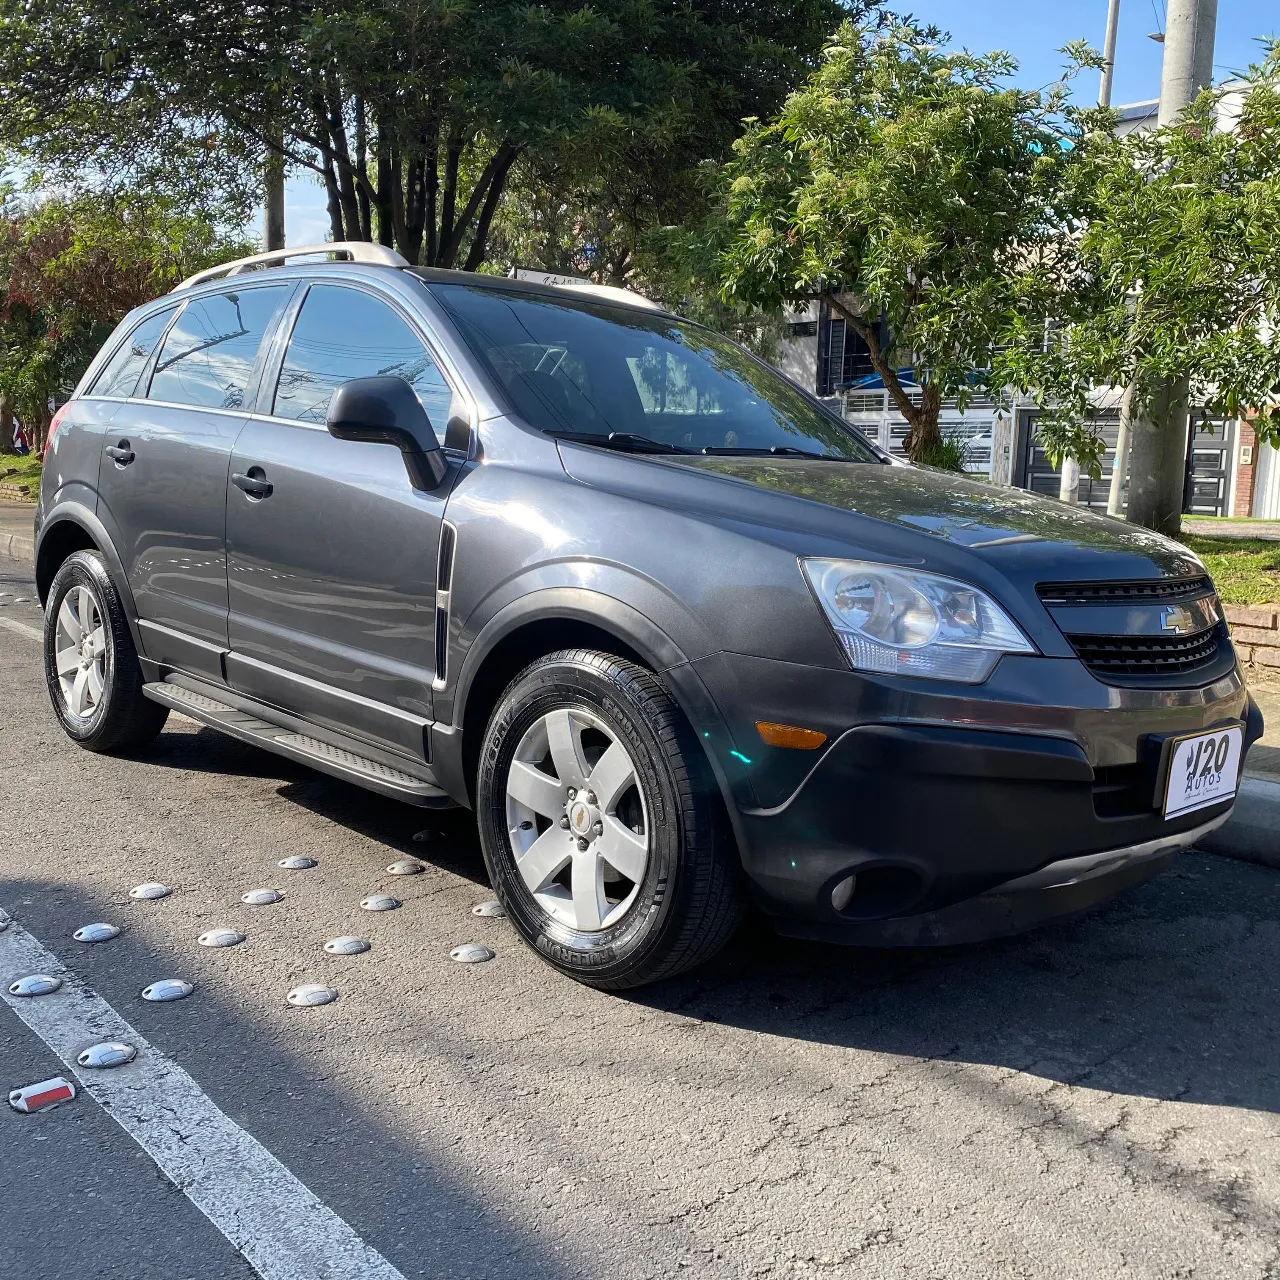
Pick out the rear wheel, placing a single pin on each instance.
(601, 825)
(91, 664)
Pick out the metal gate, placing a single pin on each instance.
(1207, 491)
(1208, 484)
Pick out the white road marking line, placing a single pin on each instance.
(280, 1226)
(21, 628)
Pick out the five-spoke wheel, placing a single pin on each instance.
(576, 819)
(91, 665)
(80, 651)
(601, 824)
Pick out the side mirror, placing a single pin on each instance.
(384, 410)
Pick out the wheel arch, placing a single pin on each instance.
(544, 622)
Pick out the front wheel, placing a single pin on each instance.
(90, 662)
(601, 827)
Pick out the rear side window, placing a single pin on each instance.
(342, 334)
(209, 354)
(120, 377)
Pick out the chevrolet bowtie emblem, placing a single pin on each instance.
(1176, 620)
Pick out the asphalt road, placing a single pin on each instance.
(1097, 1099)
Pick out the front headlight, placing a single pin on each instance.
(904, 622)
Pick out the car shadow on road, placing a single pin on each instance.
(399, 1193)
(1168, 992)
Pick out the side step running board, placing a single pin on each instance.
(339, 762)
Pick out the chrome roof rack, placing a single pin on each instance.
(349, 250)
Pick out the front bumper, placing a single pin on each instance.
(946, 803)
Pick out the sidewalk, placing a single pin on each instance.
(16, 537)
(1264, 530)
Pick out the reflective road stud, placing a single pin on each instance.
(111, 1053)
(297, 864)
(380, 902)
(311, 993)
(221, 938)
(471, 953)
(167, 989)
(492, 908)
(150, 891)
(47, 1093)
(406, 867)
(346, 946)
(261, 897)
(96, 933)
(34, 984)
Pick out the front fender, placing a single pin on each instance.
(639, 633)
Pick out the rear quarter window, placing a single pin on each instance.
(119, 378)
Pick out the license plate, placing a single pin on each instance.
(1204, 769)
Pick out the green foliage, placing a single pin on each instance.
(947, 453)
(916, 190)
(414, 115)
(1174, 274)
(70, 269)
(1244, 570)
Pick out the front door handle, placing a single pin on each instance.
(120, 453)
(255, 483)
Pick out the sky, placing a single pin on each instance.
(1031, 30)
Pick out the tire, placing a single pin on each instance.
(99, 700)
(631, 878)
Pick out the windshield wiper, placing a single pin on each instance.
(777, 450)
(619, 440)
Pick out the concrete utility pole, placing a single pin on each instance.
(1188, 55)
(1109, 53)
(1159, 424)
(1121, 461)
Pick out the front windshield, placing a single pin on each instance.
(591, 371)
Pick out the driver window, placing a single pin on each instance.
(342, 334)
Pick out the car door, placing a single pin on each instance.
(331, 550)
(163, 479)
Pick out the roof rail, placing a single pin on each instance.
(611, 293)
(351, 250)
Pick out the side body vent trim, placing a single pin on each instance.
(444, 583)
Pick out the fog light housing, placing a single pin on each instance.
(842, 894)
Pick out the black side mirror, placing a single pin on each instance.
(384, 410)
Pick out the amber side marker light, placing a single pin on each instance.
(789, 735)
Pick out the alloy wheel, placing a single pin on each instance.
(576, 818)
(80, 651)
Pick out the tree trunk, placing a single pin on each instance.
(383, 202)
(1069, 486)
(273, 196)
(923, 434)
(480, 241)
(1158, 459)
(1120, 467)
(6, 425)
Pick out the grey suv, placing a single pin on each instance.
(678, 635)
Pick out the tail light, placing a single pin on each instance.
(53, 429)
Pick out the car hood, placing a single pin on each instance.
(998, 523)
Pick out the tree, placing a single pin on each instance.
(414, 116)
(69, 271)
(1176, 284)
(916, 193)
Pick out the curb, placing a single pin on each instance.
(1252, 833)
(17, 547)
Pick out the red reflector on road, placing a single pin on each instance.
(44, 1094)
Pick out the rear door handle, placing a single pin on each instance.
(120, 453)
(255, 485)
